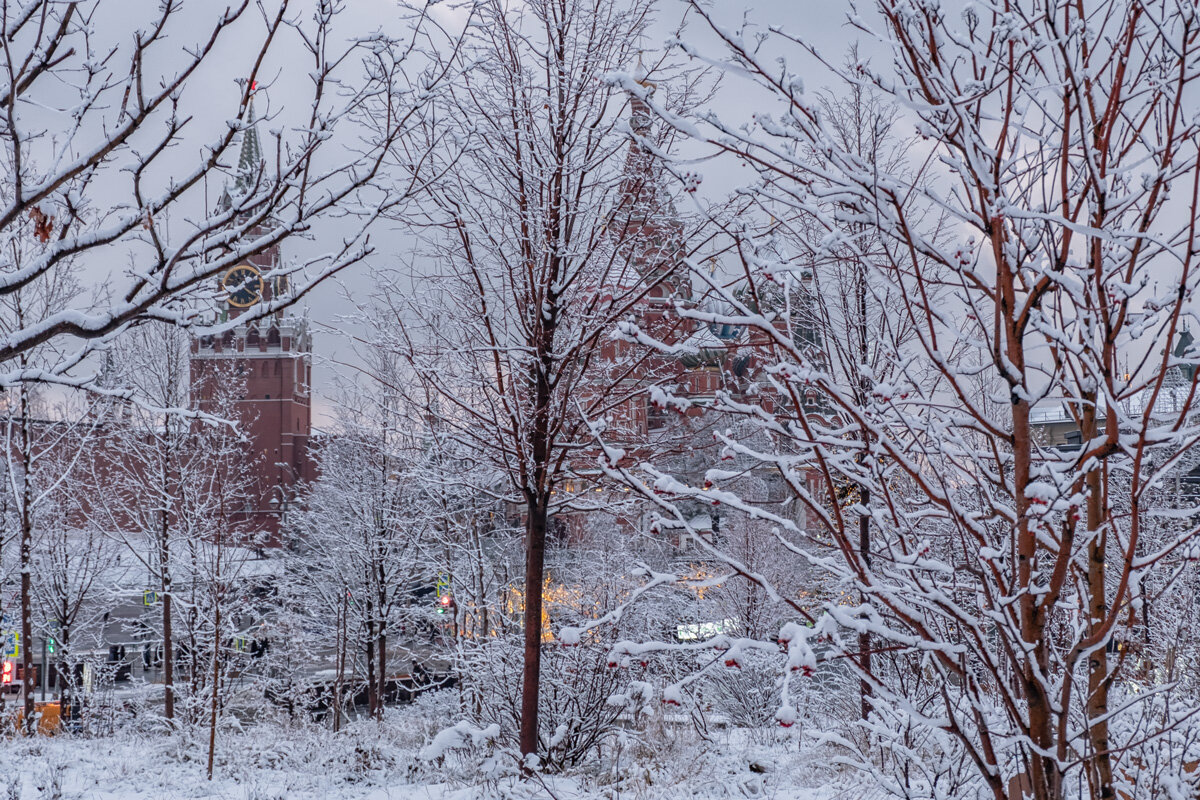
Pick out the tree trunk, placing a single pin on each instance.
(380, 640)
(864, 638)
(168, 659)
(864, 492)
(64, 682)
(1044, 771)
(27, 683)
(535, 561)
(372, 685)
(340, 659)
(381, 644)
(26, 556)
(168, 644)
(216, 674)
(1098, 672)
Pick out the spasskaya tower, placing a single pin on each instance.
(268, 364)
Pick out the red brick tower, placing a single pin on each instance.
(271, 361)
(648, 234)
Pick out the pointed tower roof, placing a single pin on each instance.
(250, 158)
(642, 196)
(645, 218)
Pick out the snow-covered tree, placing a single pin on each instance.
(361, 542)
(165, 482)
(540, 242)
(42, 444)
(76, 567)
(1005, 573)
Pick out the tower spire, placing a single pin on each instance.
(250, 159)
(645, 221)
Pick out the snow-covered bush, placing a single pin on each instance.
(746, 696)
(574, 709)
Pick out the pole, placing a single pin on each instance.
(45, 676)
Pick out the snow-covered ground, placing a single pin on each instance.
(366, 761)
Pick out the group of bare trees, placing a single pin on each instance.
(914, 302)
(988, 217)
(115, 151)
(1032, 250)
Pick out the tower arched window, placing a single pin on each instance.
(273, 337)
(227, 340)
(252, 338)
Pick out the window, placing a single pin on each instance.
(273, 337)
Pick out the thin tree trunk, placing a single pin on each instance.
(864, 492)
(168, 639)
(216, 674)
(864, 638)
(372, 686)
(340, 658)
(27, 568)
(168, 659)
(1043, 769)
(63, 682)
(1098, 673)
(382, 647)
(535, 560)
(380, 641)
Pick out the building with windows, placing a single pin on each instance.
(657, 403)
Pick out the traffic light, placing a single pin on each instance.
(50, 644)
(444, 597)
(6, 676)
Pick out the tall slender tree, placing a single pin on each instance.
(539, 244)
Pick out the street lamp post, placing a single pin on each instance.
(280, 507)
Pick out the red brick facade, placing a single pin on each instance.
(273, 358)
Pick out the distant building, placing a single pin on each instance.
(272, 358)
(1055, 425)
(657, 406)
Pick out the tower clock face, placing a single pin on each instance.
(244, 284)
